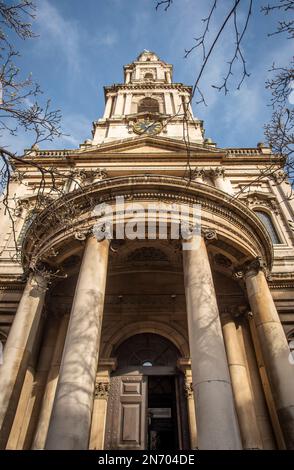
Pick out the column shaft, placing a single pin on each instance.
(261, 411)
(41, 371)
(18, 350)
(32, 392)
(191, 406)
(108, 107)
(275, 350)
(241, 387)
(26, 391)
(99, 414)
(71, 415)
(128, 103)
(168, 103)
(119, 104)
(217, 425)
(50, 389)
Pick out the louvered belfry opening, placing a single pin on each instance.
(148, 105)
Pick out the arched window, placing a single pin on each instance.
(147, 350)
(266, 219)
(148, 76)
(148, 105)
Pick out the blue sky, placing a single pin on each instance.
(83, 45)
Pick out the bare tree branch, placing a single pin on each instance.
(284, 26)
(167, 4)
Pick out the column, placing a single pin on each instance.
(108, 107)
(101, 394)
(178, 104)
(197, 175)
(220, 181)
(244, 400)
(18, 350)
(99, 414)
(31, 413)
(119, 104)
(261, 411)
(188, 105)
(217, 426)
(185, 366)
(72, 409)
(50, 388)
(128, 77)
(75, 180)
(168, 103)
(128, 103)
(191, 411)
(13, 442)
(274, 348)
(267, 388)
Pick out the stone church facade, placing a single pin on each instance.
(137, 343)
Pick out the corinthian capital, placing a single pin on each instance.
(252, 268)
(217, 172)
(197, 173)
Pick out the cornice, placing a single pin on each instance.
(69, 157)
(281, 281)
(149, 86)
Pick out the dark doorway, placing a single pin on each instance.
(146, 406)
(162, 413)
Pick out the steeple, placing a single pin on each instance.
(147, 103)
(148, 68)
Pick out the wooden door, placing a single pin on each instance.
(127, 409)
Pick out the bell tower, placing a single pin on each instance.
(147, 103)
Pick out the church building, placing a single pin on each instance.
(147, 342)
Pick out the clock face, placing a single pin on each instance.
(147, 127)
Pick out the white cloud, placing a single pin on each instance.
(57, 32)
(107, 39)
(77, 127)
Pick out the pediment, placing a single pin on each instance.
(142, 145)
(257, 195)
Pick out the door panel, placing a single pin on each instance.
(126, 421)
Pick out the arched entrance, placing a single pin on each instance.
(146, 409)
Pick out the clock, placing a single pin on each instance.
(147, 127)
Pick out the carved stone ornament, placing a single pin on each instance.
(216, 172)
(209, 234)
(261, 200)
(102, 389)
(81, 235)
(17, 177)
(100, 174)
(187, 230)
(188, 389)
(279, 176)
(197, 173)
(22, 204)
(51, 253)
(252, 267)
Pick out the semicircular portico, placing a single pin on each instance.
(55, 233)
